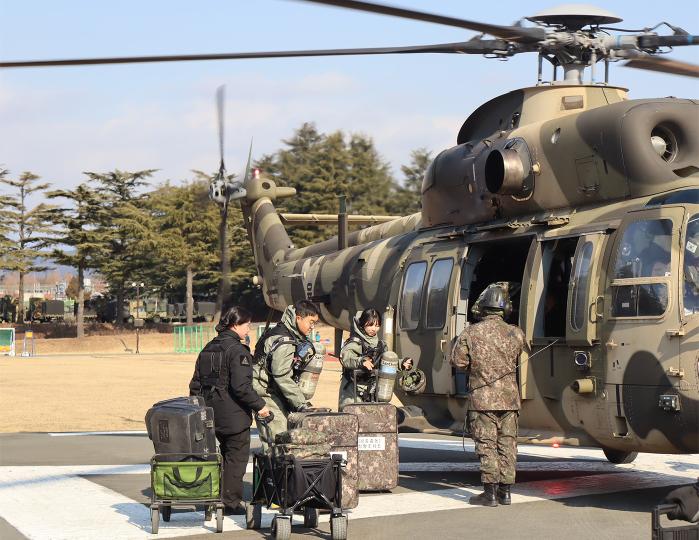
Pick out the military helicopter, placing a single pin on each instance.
(588, 199)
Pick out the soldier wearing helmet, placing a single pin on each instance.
(489, 351)
(691, 268)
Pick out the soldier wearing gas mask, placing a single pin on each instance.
(489, 351)
(281, 354)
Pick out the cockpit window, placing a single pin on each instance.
(691, 267)
(645, 250)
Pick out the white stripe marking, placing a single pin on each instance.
(87, 433)
(76, 508)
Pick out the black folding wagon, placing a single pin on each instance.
(296, 485)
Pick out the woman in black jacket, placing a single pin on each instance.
(223, 375)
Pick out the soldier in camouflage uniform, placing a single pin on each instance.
(276, 354)
(489, 351)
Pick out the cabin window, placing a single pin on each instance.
(412, 295)
(580, 287)
(644, 252)
(438, 292)
(691, 267)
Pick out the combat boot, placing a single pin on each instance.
(487, 498)
(504, 494)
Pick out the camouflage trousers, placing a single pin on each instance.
(495, 436)
(347, 393)
(277, 425)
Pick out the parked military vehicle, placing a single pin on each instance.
(151, 309)
(46, 310)
(202, 311)
(8, 309)
(587, 198)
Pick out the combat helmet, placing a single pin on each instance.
(495, 300)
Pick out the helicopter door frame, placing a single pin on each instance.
(414, 339)
(588, 255)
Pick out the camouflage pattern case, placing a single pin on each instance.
(342, 431)
(377, 445)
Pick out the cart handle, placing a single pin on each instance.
(266, 419)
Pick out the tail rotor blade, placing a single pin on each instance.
(247, 167)
(220, 98)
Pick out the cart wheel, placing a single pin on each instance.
(166, 509)
(310, 517)
(281, 528)
(338, 527)
(154, 520)
(209, 512)
(253, 516)
(219, 520)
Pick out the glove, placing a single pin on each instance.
(686, 500)
(304, 406)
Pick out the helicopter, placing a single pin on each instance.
(588, 199)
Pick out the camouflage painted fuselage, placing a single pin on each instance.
(609, 376)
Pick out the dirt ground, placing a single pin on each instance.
(99, 384)
(104, 392)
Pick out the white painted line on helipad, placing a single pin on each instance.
(88, 433)
(73, 507)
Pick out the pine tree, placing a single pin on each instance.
(321, 167)
(407, 198)
(78, 224)
(5, 242)
(188, 236)
(28, 228)
(126, 232)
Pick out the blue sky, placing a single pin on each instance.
(58, 122)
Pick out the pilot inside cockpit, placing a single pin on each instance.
(645, 250)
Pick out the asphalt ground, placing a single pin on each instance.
(97, 486)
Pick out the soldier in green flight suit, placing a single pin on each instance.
(278, 354)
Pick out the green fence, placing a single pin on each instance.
(7, 341)
(191, 339)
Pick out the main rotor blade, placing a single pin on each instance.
(665, 65)
(512, 33)
(679, 40)
(474, 46)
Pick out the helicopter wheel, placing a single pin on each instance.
(619, 457)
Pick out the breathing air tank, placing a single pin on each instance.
(386, 376)
(308, 381)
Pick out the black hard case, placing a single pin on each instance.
(183, 425)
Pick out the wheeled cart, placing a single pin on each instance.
(296, 485)
(684, 532)
(185, 480)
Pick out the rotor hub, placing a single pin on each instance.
(574, 16)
